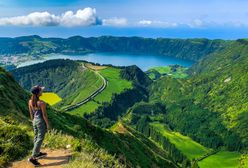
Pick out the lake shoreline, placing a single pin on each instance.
(143, 61)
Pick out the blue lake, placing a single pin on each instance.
(143, 61)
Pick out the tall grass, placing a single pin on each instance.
(84, 152)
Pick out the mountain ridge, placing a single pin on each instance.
(190, 49)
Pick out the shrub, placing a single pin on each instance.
(14, 143)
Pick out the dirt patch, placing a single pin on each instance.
(54, 159)
(121, 129)
(95, 67)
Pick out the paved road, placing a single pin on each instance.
(91, 96)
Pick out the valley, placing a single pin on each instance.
(168, 116)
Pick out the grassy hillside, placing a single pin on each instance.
(115, 85)
(69, 79)
(11, 105)
(215, 95)
(122, 91)
(175, 71)
(221, 159)
(74, 81)
(222, 86)
(140, 143)
(149, 119)
(14, 130)
(210, 105)
(85, 138)
(186, 145)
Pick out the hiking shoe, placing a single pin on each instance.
(40, 155)
(34, 161)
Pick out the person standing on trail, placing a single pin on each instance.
(38, 115)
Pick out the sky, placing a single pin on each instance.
(224, 19)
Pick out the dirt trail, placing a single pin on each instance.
(54, 159)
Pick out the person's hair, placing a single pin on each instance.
(34, 100)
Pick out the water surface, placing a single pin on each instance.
(143, 61)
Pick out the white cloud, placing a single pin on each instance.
(196, 23)
(115, 21)
(145, 22)
(35, 19)
(83, 17)
(157, 23)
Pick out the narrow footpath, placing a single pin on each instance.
(54, 159)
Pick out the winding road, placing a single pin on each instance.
(91, 96)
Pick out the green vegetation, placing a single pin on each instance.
(149, 119)
(115, 85)
(85, 155)
(210, 105)
(192, 49)
(50, 98)
(175, 71)
(109, 149)
(107, 114)
(222, 159)
(15, 142)
(186, 145)
(224, 75)
(214, 95)
(244, 160)
(81, 83)
(87, 108)
(137, 143)
(166, 121)
(69, 79)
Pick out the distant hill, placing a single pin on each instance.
(190, 49)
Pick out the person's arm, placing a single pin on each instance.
(30, 110)
(44, 113)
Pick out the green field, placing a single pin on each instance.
(115, 85)
(222, 159)
(162, 69)
(50, 98)
(186, 145)
(85, 109)
(156, 72)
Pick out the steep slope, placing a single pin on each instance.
(12, 97)
(132, 82)
(211, 106)
(191, 49)
(65, 77)
(13, 107)
(149, 119)
(74, 81)
(226, 91)
(103, 147)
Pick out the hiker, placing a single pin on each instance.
(37, 110)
